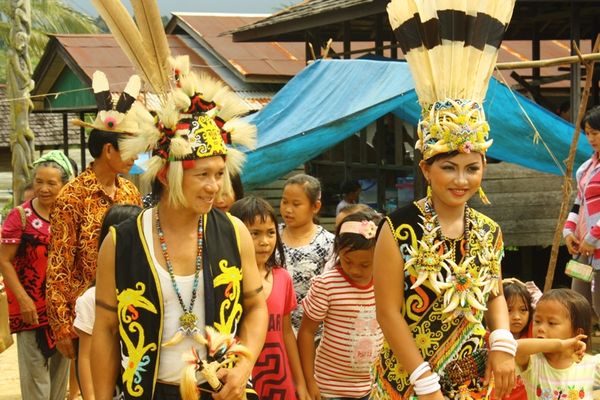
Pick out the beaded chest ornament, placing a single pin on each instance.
(188, 320)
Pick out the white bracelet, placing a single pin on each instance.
(503, 340)
(427, 385)
(420, 370)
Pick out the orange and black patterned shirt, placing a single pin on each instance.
(76, 219)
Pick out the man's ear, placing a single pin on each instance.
(107, 150)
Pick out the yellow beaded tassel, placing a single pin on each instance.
(483, 197)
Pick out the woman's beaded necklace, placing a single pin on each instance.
(428, 207)
(188, 320)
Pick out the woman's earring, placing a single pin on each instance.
(483, 197)
(428, 190)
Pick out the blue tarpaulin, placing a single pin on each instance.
(330, 100)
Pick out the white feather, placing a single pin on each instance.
(242, 133)
(99, 82)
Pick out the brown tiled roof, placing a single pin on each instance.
(256, 62)
(48, 128)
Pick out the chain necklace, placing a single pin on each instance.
(188, 320)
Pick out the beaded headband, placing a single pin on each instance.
(368, 229)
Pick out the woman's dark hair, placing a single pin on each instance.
(514, 290)
(592, 118)
(355, 241)
(64, 175)
(579, 308)
(443, 156)
(115, 215)
(247, 210)
(237, 186)
(98, 139)
(310, 184)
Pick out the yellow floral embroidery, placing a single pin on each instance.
(230, 310)
(205, 137)
(129, 300)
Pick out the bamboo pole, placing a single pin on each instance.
(567, 189)
(594, 56)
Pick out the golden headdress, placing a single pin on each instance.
(451, 48)
(196, 115)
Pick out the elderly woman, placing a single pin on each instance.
(23, 260)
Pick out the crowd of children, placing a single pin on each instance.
(408, 306)
(331, 278)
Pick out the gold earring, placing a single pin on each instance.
(483, 197)
(428, 190)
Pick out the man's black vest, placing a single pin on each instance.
(140, 302)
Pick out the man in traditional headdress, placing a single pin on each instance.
(77, 214)
(183, 267)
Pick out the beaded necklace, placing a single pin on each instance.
(464, 285)
(428, 207)
(188, 320)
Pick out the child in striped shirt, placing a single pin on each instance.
(344, 301)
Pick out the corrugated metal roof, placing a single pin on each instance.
(87, 53)
(101, 52)
(303, 9)
(255, 62)
(290, 24)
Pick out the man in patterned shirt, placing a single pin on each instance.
(75, 222)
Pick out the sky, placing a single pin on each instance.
(214, 6)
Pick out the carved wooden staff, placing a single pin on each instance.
(19, 82)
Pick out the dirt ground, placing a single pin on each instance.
(9, 374)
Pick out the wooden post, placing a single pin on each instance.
(19, 86)
(564, 209)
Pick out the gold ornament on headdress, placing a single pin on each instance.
(451, 48)
(197, 116)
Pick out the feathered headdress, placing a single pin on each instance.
(114, 117)
(197, 117)
(451, 48)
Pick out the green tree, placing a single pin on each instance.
(47, 17)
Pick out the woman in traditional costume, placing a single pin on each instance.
(182, 268)
(437, 260)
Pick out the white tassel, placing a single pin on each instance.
(153, 166)
(230, 105)
(180, 147)
(242, 133)
(235, 160)
(209, 86)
